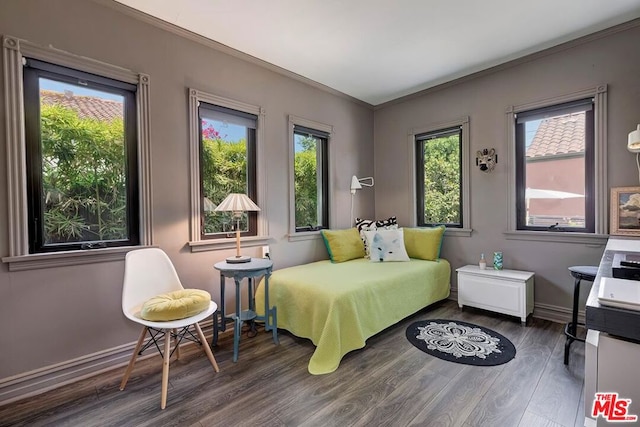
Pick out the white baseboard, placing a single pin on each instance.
(51, 377)
(555, 313)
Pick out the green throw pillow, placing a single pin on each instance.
(424, 243)
(343, 245)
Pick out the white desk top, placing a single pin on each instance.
(624, 245)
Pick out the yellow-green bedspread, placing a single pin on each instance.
(339, 306)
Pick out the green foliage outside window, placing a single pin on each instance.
(83, 177)
(305, 181)
(84, 182)
(224, 171)
(442, 180)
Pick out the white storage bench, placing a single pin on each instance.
(503, 291)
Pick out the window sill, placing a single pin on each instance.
(305, 235)
(458, 232)
(63, 259)
(228, 243)
(558, 236)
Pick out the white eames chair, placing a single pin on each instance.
(149, 272)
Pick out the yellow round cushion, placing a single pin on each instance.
(175, 305)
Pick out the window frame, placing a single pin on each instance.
(323, 130)
(462, 123)
(322, 157)
(15, 51)
(600, 191)
(32, 72)
(197, 241)
(521, 162)
(251, 174)
(420, 140)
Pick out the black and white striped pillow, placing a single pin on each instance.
(374, 224)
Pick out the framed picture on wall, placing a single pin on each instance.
(625, 211)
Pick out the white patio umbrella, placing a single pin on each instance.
(538, 193)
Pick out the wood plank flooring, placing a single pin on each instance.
(388, 383)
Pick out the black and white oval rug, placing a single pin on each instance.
(461, 342)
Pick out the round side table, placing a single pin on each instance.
(256, 268)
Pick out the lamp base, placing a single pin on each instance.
(238, 259)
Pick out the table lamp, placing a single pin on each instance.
(237, 203)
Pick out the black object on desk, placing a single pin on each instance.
(580, 272)
(625, 266)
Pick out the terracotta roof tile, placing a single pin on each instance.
(558, 135)
(86, 106)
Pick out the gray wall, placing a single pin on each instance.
(57, 314)
(613, 60)
(53, 315)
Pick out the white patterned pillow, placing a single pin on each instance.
(386, 245)
(374, 224)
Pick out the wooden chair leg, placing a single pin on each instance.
(206, 348)
(134, 356)
(165, 368)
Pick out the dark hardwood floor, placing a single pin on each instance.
(388, 383)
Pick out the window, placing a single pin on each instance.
(78, 160)
(227, 156)
(439, 196)
(580, 219)
(441, 165)
(81, 159)
(227, 165)
(554, 167)
(309, 177)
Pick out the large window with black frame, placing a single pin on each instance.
(82, 168)
(555, 167)
(439, 177)
(311, 181)
(227, 165)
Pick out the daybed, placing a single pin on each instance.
(339, 305)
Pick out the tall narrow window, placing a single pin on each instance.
(555, 167)
(82, 167)
(439, 185)
(227, 165)
(310, 178)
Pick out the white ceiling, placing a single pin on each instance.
(379, 50)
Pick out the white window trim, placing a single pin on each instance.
(294, 235)
(196, 243)
(599, 95)
(463, 123)
(14, 52)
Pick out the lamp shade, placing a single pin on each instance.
(236, 202)
(355, 183)
(633, 144)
